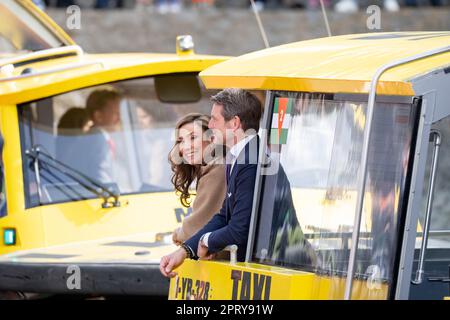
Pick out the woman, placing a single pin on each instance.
(73, 123)
(191, 162)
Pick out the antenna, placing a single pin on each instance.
(324, 17)
(260, 25)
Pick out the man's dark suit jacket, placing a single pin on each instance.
(231, 224)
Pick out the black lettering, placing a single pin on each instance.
(236, 276)
(184, 283)
(189, 288)
(206, 296)
(267, 288)
(245, 287)
(177, 288)
(258, 284)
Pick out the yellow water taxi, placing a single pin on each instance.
(71, 220)
(361, 125)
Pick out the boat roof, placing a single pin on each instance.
(69, 71)
(48, 62)
(340, 64)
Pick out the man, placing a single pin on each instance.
(235, 117)
(103, 108)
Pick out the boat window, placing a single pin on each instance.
(315, 145)
(22, 31)
(127, 150)
(440, 217)
(437, 254)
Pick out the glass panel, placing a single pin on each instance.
(440, 217)
(384, 202)
(20, 30)
(437, 254)
(127, 150)
(308, 222)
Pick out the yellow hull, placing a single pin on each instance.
(212, 280)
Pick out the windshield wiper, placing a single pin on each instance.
(96, 187)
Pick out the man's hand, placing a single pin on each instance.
(202, 252)
(175, 238)
(172, 261)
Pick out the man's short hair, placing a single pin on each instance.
(241, 103)
(98, 99)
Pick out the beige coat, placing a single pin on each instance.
(211, 190)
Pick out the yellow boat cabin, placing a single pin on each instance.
(353, 201)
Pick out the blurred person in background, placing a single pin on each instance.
(202, 3)
(59, 3)
(73, 123)
(348, 6)
(102, 4)
(168, 6)
(260, 4)
(315, 4)
(74, 119)
(99, 145)
(414, 3)
(272, 4)
(153, 149)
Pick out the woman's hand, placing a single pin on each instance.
(172, 261)
(175, 236)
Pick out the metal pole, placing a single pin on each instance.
(426, 229)
(260, 25)
(259, 173)
(365, 152)
(325, 17)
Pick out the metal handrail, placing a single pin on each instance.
(426, 229)
(232, 248)
(365, 153)
(41, 54)
(53, 70)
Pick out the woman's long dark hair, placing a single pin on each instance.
(183, 173)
